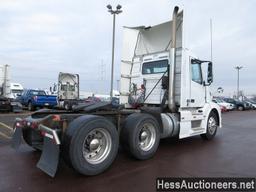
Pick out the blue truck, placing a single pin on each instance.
(36, 98)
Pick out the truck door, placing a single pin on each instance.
(21, 98)
(197, 88)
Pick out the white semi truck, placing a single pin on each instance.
(8, 90)
(5, 80)
(68, 90)
(163, 94)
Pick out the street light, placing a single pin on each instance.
(114, 13)
(238, 68)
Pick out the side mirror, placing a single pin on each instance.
(209, 73)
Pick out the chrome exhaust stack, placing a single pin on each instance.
(171, 95)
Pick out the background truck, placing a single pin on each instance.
(163, 94)
(67, 90)
(7, 94)
(4, 80)
(36, 98)
(15, 90)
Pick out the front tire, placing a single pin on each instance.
(140, 135)
(212, 125)
(91, 144)
(240, 108)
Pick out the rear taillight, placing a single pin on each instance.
(18, 124)
(43, 133)
(35, 98)
(33, 125)
(56, 118)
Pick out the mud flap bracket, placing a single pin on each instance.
(49, 159)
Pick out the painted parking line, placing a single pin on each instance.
(5, 136)
(6, 126)
(23, 114)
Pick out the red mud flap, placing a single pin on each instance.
(49, 159)
(17, 135)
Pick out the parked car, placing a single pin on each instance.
(223, 109)
(5, 104)
(251, 103)
(8, 105)
(240, 105)
(221, 102)
(36, 98)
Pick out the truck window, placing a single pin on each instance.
(63, 87)
(155, 67)
(35, 92)
(24, 93)
(71, 87)
(196, 73)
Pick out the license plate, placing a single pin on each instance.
(46, 104)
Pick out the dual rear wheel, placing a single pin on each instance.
(140, 135)
(91, 142)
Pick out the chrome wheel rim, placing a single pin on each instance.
(147, 137)
(212, 125)
(97, 145)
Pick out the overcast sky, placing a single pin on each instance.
(40, 38)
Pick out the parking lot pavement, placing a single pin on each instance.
(232, 154)
(6, 124)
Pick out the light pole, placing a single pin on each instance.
(238, 68)
(114, 13)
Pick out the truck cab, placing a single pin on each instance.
(161, 74)
(68, 90)
(16, 90)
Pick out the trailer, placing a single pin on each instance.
(162, 94)
(5, 80)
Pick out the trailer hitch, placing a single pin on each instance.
(49, 159)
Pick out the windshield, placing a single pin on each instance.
(16, 91)
(155, 67)
(218, 100)
(34, 92)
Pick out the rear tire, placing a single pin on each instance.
(140, 135)
(212, 125)
(30, 106)
(90, 144)
(66, 106)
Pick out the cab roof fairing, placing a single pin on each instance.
(151, 39)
